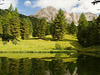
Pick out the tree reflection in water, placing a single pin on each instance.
(85, 65)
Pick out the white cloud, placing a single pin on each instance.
(27, 3)
(69, 5)
(7, 3)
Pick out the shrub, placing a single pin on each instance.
(58, 46)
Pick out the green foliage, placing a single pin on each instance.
(11, 8)
(35, 28)
(82, 30)
(57, 67)
(30, 26)
(15, 27)
(24, 29)
(58, 46)
(42, 28)
(58, 26)
(48, 29)
(72, 29)
(6, 27)
(68, 48)
(1, 29)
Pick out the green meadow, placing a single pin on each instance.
(46, 45)
(35, 44)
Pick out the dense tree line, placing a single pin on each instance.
(14, 25)
(89, 31)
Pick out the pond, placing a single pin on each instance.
(50, 64)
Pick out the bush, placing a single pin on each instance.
(58, 46)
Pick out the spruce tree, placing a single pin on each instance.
(15, 27)
(30, 26)
(48, 29)
(11, 7)
(1, 26)
(36, 27)
(82, 30)
(16, 13)
(58, 26)
(72, 28)
(24, 29)
(42, 28)
(6, 27)
(98, 30)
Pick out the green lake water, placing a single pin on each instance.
(50, 64)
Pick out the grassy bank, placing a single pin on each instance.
(38, 45)
(47, 45)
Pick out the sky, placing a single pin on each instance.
(28, 7)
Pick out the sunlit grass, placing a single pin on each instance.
(35, 44)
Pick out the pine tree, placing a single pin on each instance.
(24, 29)
(98, 30)
(42, 28)
(48, 29)
(30, 26)
(58, 26)
(11, 7)
(6, 27)
(1, 26)
(82, 30)
(16, 13)
(15, 27)
(72, 28)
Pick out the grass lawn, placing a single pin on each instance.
(35, 44)
(46, 45)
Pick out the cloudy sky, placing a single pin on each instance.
(28, 7)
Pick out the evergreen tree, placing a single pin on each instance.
(82, 30)
(72, 28)
(16, 13)
(42, 28)
(24, 29)
(6, 27)
(0, 26)
(48, 29)
(15, 28)
(58, 26)
(36, 27)
(98, 30)
(30, 26)
(11, 8)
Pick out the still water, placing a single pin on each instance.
(60, 64)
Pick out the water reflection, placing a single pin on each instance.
(85, 65)
(88, 65)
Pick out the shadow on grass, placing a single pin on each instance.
(76, 45)
(33, 39)
(46, 39)
(68, 40)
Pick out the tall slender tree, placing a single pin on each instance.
(58, 26)
(82, 30)
(1, 26)
(72, 28)
(15, 27)
(98, 30)
(36, 27)
(42, 28)
(30, 26)
(24, 29)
